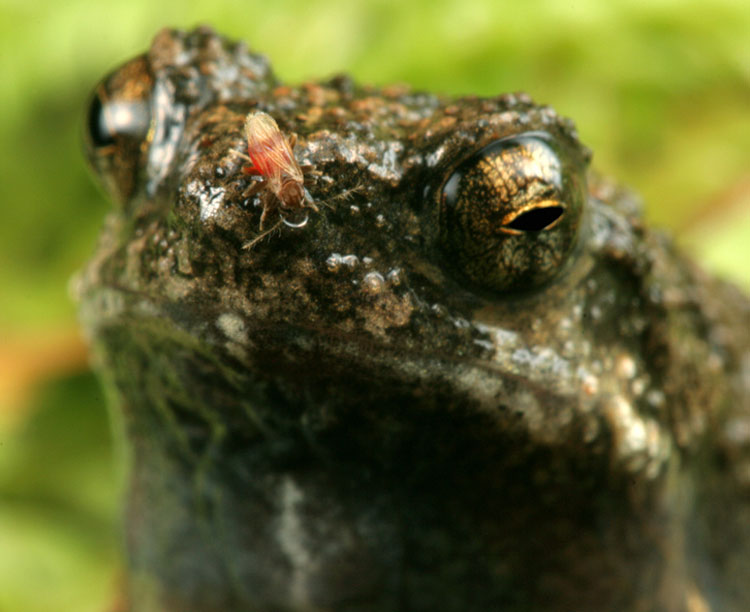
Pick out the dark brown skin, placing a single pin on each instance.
(403, 405)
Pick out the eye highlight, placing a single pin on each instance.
(117, 127)
(510, 213)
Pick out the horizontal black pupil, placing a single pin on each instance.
(537, 219)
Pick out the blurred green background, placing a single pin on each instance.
(660, 91)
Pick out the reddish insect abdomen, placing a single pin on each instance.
(260, 154)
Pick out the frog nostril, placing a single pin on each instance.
(535, 220)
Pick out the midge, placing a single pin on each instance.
(272, 159)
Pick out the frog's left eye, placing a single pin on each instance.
(509, 214)
(117, 127)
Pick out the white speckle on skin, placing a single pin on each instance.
(589, 382)
(433, 159)
(655, 398)
(350, 261)
(389, 169)
(373, 283)
(485, 344)
(635, 439)
(233, 327)
(625, 367)
(638, 386)
(506, 338)
(639, 442)
(291, 537)
(209, 198)
(333, 263)
(623, 419)
(394, 277)
(506, 117)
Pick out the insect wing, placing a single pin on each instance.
(268, 148)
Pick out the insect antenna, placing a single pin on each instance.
(251, 243)
(343, 196)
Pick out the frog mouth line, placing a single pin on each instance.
(533, 217)
(513, 398)
(357, 347)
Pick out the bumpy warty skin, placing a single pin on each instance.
(342, 418)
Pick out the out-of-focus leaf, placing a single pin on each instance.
(59, 491)
(659, 90)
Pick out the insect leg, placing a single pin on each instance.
(268, 207)
(240, 154)
(253, 188)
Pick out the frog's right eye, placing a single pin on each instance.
(510, 212)
(117, 127)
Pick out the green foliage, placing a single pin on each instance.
(659, 90)
(59, 493)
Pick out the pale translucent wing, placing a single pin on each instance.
(268, 148)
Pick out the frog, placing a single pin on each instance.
(461, 373)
